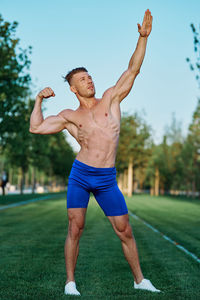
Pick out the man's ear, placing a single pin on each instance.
(73, 89)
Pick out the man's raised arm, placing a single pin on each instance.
(125, 82)
(52, 124)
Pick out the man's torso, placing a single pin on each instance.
(97, 131)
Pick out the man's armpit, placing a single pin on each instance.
(72, 129)
(66, 115)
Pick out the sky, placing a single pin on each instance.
(102, 35)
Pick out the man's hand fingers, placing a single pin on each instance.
(145, 29)
(147, 16)
(50, 91)
(46, 93)
(150, 16)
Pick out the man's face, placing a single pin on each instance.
(83, 85)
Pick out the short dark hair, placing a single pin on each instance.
(70, 74)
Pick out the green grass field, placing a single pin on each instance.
(32, 251)
(9, 199)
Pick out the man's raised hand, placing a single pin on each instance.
(146, 27)
(46, 93)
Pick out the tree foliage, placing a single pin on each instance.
(195, 65)
(134, 142)
(21, 149)
(14, 79)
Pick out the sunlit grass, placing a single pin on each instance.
(32, 252)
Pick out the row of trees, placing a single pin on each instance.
(28, 155)
(171, 166)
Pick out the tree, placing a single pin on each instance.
(173, 132)
(61, 156)
(133, 148)
(14, 79)
(17, 148)
(194, 140)
(158, 168)
(195, 66)
(51, 154)
(175, 141)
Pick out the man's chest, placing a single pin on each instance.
(99, 119)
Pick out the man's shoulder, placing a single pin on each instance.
(66, 114)
(108, 93)
(109, 96)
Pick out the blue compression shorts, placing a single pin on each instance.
(84, 179)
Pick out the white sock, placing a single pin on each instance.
(70, 289)
(145, 284)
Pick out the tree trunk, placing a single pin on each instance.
(152, 191)
(193, 188)
(10, 177)
(162, 191)
(42, 179)
(130, 177)
(26, 180)
(141, 185)
(33, 180)
(125, 182)
(19, 178)
(120, 182)
(22, 180)
(157, 180)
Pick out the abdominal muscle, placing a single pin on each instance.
(98, 146)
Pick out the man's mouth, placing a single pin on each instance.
(91, 87)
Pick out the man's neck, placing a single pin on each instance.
(87, 103)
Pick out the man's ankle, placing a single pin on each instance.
(139, 279)
(68, 280)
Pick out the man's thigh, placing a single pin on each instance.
(111, 200)
(77, 202)
(77, 196)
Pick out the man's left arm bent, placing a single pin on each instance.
(125, 82)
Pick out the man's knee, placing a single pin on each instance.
(75, 227)
(124, 231)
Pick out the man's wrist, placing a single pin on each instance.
(38, 97)
(145, 37)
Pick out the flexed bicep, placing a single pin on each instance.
(51, 124)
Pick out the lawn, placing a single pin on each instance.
(32, 255)
(9, 199)
(179, 218)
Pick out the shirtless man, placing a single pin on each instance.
(95, 124)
